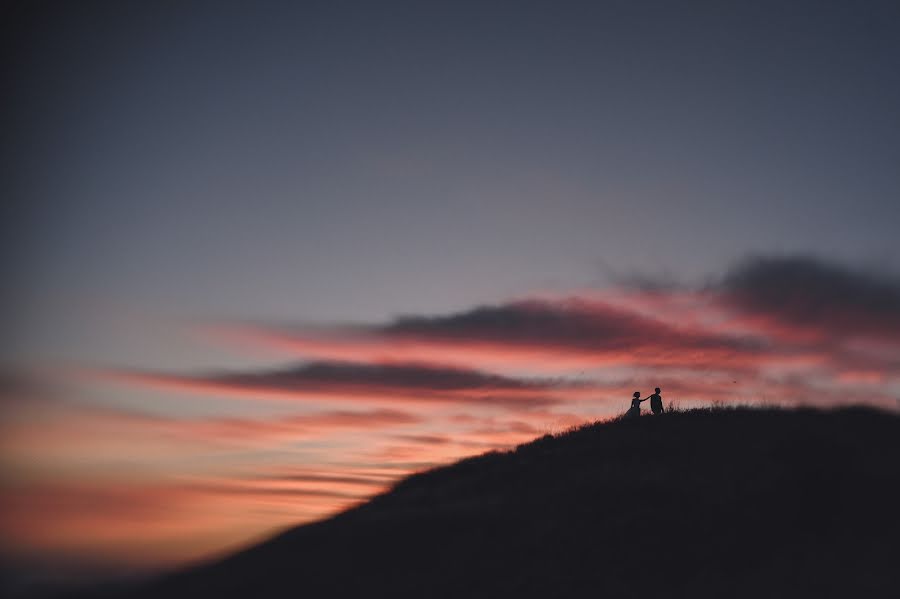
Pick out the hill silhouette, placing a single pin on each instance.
(703, 503)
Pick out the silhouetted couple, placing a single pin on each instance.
(656, 405)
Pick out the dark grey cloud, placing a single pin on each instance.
(573, 324)
(238, 489)
(426, 439)
(424, 377)
(814, 294)
(19, 387)
(365, 481)
(373, 381)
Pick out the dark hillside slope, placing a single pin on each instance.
(722, 503)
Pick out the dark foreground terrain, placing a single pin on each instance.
(722, 503)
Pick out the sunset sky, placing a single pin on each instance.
(261, 259)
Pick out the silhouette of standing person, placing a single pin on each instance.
(656, 405)
(635, 410)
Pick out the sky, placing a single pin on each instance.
(264, 258)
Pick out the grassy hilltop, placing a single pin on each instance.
(702, 503)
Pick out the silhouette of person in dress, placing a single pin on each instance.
(635, 410)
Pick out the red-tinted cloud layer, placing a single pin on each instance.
(570, 332)
(373, 401)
